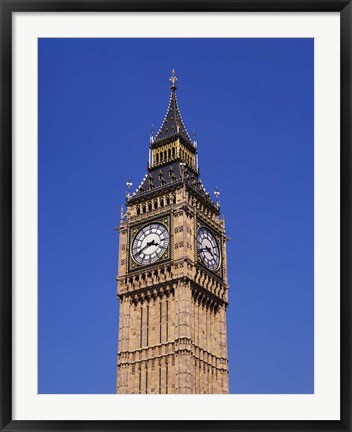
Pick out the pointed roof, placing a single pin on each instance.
(168, 177)
(173, 126)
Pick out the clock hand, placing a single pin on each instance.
(213, 252)
(207, 249)
(151, 243)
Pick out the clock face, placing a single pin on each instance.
(150, 243)
(208, 249)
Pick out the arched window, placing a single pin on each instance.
(149, 206)
(157, 158)
(155, 204)
(138, 210)
(144, 208)
(162, 202)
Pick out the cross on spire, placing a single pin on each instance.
(173, 80)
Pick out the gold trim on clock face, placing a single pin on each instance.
(208, 249)
(150, 243)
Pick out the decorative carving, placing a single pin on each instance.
(164, 303)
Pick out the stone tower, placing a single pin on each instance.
(172, 275)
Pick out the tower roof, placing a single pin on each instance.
(171, 176)
(173, 126)
(172, 169)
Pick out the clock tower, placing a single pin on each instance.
(172, 274)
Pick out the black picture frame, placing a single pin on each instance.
(7, 7)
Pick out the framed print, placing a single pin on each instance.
(175, 215)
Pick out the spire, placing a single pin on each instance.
(173, 159)
(173, 126)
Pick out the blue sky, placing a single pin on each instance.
(251, 103)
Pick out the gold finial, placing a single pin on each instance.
(128, 184)
(217, 193)
(173, 80)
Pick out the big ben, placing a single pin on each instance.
(172, 274)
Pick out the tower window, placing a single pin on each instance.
(159, 379)
(140, 381)
(144, 209)
(160, 322)
(167, 200)
(141, 330)
(147, 325)
(162, 202)
(157, 158)
(146, 379)
(150, 206)
(167, 320)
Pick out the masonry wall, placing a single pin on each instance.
(172, 322)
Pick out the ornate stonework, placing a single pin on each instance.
(172, 323)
